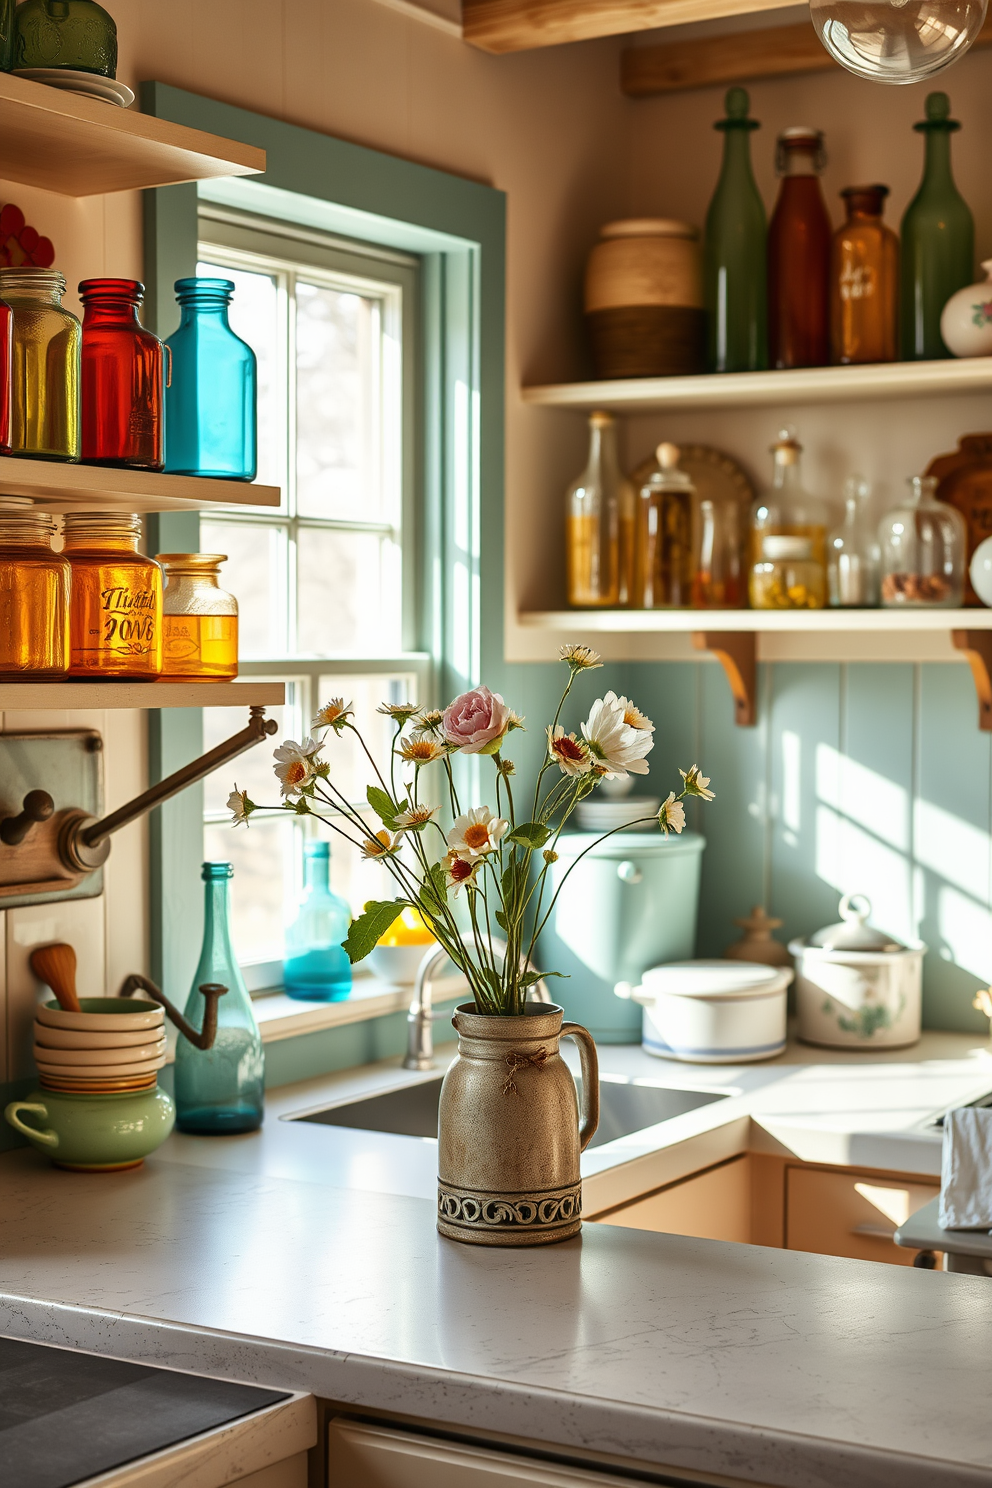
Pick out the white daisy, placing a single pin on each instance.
(580, 658)
(616, 748)
(570, 754)
(295, 764)
(239, 806)
(381, 845)
(415, 818)
(633, 717)
(421, 749)
(334, 714)
(671, 817)
(695, 783)
(476, 833)
(460, 872)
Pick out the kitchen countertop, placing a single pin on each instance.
(295, 1258)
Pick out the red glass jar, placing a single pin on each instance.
(6, 318)
(122, 378)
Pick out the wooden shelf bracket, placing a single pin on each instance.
(736, 651)
(977, 647)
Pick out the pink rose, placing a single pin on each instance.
(476, 722)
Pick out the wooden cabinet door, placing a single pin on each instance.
(845, 1213)
(715, 1205)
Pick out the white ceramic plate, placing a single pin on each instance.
(88, 84)
(100, 1071)
(146, 1015)
(83, 1059)
(70, 1038)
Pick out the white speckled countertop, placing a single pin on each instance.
(272, 1258)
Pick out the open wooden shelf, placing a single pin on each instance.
(83, 147)
(829, 622)
(60, 488)
(766, 389)
(69, 695)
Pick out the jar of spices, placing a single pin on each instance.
(121, 378)
(788, 538)
(923, 548)
(199, 618)
(666, 536)
(45, 351)
(599, 523)
(34, 595)
(116, 611)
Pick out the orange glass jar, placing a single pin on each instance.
(864, 274)
(34, 596)
(115, 626)
(199, 619)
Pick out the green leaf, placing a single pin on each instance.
(371, 926)
(501, 921)
(434, 891)
(531, 834)
(384, 808)
(530, 977)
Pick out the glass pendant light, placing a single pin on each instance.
(897, 41)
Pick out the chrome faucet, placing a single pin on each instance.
(420, 1019)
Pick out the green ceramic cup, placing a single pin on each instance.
(94, 1133)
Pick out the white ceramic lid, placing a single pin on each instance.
(852, 932)
(724, 979)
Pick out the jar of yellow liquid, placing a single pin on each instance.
(46, 344)
(115, 615)
(199, 618)
(599, 524)
(34, 596)
(788, 538)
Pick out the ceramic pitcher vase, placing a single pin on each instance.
(509, 1133)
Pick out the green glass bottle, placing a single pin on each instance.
(734, 264)
(78, 34)
(6, 35)
(938, 240)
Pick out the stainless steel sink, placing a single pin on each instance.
(411, 1111)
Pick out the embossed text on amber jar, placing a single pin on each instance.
(44, 365)
(199, 619)
(115, 627)
(34, 596)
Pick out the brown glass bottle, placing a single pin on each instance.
(864, 281)
(799, 242)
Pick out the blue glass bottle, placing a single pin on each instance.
(316, 966)
(221, 1089)
(211, 423)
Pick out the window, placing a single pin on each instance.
(328, 584)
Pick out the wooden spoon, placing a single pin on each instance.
(56, 966)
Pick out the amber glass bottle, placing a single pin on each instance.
(799, 242)
(666, 536)
(34, 596)
(599, 523)
(864, 281)
(44, 372)
(199, 618)
(115, 624)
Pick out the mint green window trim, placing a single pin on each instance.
(457, 229)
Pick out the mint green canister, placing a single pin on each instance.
(94, 1133)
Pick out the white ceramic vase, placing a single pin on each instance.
(966, 319)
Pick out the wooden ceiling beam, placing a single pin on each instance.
(521, 25)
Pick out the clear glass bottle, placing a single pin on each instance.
(78, 34)
(719, 580)
(34, 595)
(199, 618)
(220, 1090)
(316, 965)
(799, 242)
(44, 372)
(853, 552)
(734, 252)
(211, 414)
(788, 538)
(122, 378)
(599, 524)
(922, 551)
(115, 625)
(938, 240)
(864, 281)
(666, 536)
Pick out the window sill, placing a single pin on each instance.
(281, 1017)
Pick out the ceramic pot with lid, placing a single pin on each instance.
(644, 299)
(856, 986)
(713, 1012)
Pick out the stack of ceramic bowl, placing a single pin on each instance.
(610, 815)
(113, 1045)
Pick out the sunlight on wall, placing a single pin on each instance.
(954, 849)
(966, 930)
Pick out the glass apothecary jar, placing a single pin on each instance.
(199, 618)
(599, 524)
(78, 34)
(853, 552)
(666, 536)
(122, 411)
(211, 413)
(115, 616)
(34, 596)
(923, 546)
(788, 538)
(44, 365)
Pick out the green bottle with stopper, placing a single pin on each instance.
(938, 240)
(734, 252)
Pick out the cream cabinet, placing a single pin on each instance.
(715, 1205)
(834, 1211)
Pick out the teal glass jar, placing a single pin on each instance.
(316, 967)
(210, 405)
(221, 1089)
(938, 240)
(734, 272)
(77, 34)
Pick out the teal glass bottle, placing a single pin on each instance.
(734, 252)
(211, 405)
(938, 240)
(316, 967)
(220, 1089)
(78, 34)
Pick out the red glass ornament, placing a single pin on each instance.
(5, 319)
(122, 378)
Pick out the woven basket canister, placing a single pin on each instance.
(644, 299)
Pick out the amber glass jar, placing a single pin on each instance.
(116, 611)
(864, 281)
(788, 538)
(199, 618)
(666, 536)
(34, 596)
(44, 372)
(599, 523)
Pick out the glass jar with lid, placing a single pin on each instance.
(599, 523)
(923, 547)
(788, 538)
(45, 353)
(666, 536)
(115, 626)
(78, 34)
(34, 595)
(199, 618)
(122, 412)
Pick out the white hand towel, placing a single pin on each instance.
(966, 1170)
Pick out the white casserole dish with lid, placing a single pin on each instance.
(714, 1012)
